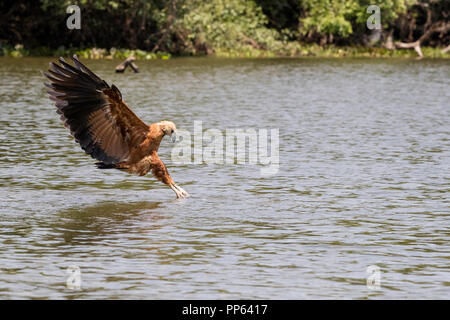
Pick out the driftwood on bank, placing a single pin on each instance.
(389, 43)
(128, 62)
(437, 27)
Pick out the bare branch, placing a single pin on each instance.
(437, 27)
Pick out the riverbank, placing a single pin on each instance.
(292, 49)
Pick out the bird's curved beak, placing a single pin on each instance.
(174, 136)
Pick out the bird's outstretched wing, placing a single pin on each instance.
(95, 113)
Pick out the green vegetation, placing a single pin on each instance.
(154, 29)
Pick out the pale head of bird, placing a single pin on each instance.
(168, 128)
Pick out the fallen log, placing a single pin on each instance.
(415, 45)
(446, 49)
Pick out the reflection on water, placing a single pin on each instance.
(364, 181)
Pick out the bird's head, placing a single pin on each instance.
(169, 128)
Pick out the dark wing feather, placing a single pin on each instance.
(95, 113)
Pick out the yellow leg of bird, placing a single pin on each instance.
(179, 191)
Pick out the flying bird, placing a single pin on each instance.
(104, 126)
